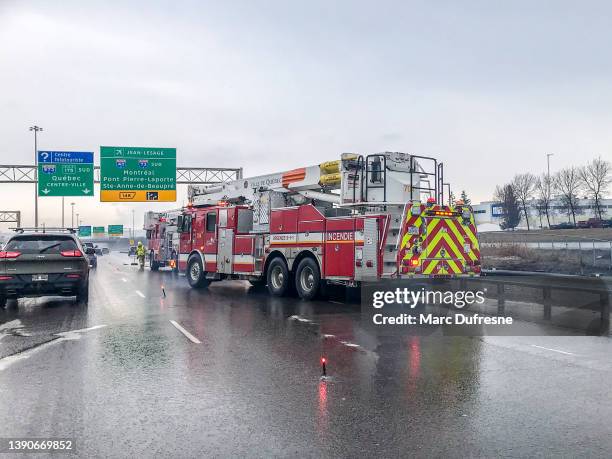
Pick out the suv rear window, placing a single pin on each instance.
(40, 244)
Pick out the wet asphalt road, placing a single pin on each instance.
(123, 380)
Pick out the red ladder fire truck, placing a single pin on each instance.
(359, 218)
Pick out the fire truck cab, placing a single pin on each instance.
(162, 238)
(357, 219)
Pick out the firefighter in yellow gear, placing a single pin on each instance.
(140, 254)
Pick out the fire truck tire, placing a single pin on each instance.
(257, 283)
(278, 277)
(154, 265)
(195, 273)
(308, 279)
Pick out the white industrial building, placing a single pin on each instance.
(490, 212)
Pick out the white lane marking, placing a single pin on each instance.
(124, 279)
(140, 294)
(63, 336)
(300, 319)
(189, 336)
(329, 336)
(553, 350)
(347, 344)
(336, 302)
(13, 327)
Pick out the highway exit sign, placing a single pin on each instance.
(115, 230)
(65, 173)
(98, 230)
(137, 174)
(84, 231)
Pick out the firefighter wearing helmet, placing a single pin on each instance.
(140, 254)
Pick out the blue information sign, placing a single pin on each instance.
(72, 157)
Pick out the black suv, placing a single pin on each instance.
(44, 262)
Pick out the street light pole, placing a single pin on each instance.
(63, 212)
(35, 129)
(133, 235)
(72, 221)
(548, 155)
(77, 219)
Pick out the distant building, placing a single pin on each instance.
(490, 212)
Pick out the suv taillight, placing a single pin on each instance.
(4, 254)
(71, 253)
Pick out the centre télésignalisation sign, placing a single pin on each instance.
(137, 174)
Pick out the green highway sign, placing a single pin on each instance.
(98, 230)
(137, 174)
(115, 230)
(65, 173)
(84, 231)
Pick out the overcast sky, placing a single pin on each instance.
(487, 87)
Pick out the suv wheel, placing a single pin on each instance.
(278, 277)
(196, 276)
(83, 293)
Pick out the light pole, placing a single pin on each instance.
(35, 129)
(77, 219)
(72, 220)
(63, 212)
(133, 235)
(548, 155)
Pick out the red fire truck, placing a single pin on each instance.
(162, 238)
(359, 218)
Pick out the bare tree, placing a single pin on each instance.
(510, 206)
(567, 183)
(524, 186)
(595, 178)
(464, 197)
(544, 190)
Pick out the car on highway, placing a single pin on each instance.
(93, 259)
(564, 225)
(105, 250)
(43, 263)
(593, 223)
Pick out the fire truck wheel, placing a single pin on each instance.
(307, 279)
(154, 265)
(278, 277)
(195, 273)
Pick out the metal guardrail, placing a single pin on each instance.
(581, 244)
(184, 175)
(547, 283)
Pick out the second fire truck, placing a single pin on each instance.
(347, 221)
(162, 238)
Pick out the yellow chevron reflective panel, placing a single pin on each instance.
(439, 240)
